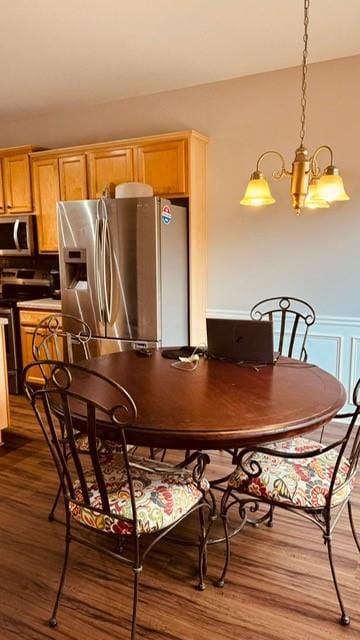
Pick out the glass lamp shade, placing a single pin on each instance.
(257, 192)
(313, 199)
(331, 186)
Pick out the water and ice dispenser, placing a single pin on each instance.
(75, 269)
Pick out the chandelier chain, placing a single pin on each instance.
(304, 72)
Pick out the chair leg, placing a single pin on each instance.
(51, 515)
(204, 534)
(271, 516)
(137, 572)
(353, 526)
(53, 619)
(345, 619)
(221, 581)
(202, 553)
(137, 569)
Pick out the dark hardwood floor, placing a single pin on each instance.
(279, 584)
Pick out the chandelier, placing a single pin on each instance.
(311, 186)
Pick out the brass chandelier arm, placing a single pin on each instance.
(315, 169)
(277, 174)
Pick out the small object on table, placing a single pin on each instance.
(144, 352)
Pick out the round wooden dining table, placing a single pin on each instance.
(219, 404)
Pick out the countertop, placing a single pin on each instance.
(42, 303)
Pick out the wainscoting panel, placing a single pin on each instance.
(333, 344)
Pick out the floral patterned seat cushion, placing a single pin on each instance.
(163, 494)
(303, 482)
(104, 447)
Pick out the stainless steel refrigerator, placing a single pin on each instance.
(124, 270)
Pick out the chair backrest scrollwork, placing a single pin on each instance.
(62, 337)
(292, 318)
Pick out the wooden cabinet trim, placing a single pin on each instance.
(124, 143)
(26, 148)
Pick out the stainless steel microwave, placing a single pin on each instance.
(17, 235)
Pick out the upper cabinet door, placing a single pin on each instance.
(73, 182)
(108, 166)
(2, 206)
(163, 166)
(46, 195)
(17, 183)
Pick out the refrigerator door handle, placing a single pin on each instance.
(98, 265)
(107, 270)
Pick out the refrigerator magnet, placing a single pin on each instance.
(166, 214)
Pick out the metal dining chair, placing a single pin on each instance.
(292, 319)
(126, 497)
(65, 338)
(301, 476)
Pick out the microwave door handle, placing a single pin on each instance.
(16, 234)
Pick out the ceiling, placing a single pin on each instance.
(73, 52)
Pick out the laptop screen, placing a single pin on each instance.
(241, 340)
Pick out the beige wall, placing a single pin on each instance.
(270, 251)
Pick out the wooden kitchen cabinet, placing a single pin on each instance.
(163, 166)
(4, 390)
(55, 179)
(26, 349)
(45, 173)
(15, 180)
(72, 177)
(17, 183)
(160, 164)
(107, 166)
(28, 323)
(2, 204)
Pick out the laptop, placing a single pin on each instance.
(241, 340)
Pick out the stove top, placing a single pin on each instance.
(24, 277)
(22, 284)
